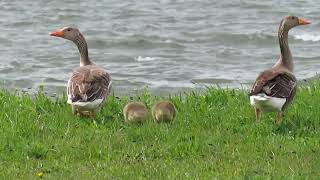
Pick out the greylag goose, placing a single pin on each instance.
(163, 111)
(135, 112)
(89, 84)
(275, 88)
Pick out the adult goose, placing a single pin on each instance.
(275, 88)
(89, 84)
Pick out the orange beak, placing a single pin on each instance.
(58, 33)
(304, 21)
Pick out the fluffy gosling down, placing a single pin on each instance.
(135, 112)
(164, 111)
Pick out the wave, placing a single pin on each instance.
(258, 37)
(239, 38)
(307, 37)
(141, 59)
(169, 84)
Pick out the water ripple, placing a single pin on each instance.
(165, 45)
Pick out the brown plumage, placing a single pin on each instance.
(135, 112)
(163, 111)
(276, 84)
(89, 85)
(275, 88)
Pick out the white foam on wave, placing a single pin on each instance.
(307, 37)
(141, 59)
(170, 84)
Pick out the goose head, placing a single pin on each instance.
(289, 22)
(70, 33)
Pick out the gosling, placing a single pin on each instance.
(163, 111)
(135, 112)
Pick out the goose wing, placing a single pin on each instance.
(88, 83)
(275, 84)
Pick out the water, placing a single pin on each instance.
(167, 46)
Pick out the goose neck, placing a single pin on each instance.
(83, 50)
(285, 57)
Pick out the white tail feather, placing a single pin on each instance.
(87, 105)
(267, 103)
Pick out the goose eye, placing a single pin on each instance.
(68, 29)
(292, 17)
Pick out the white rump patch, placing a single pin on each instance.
(267, 103)
(86, 105)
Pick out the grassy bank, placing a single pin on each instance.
(215, 135)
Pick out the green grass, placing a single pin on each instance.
(215, 135)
